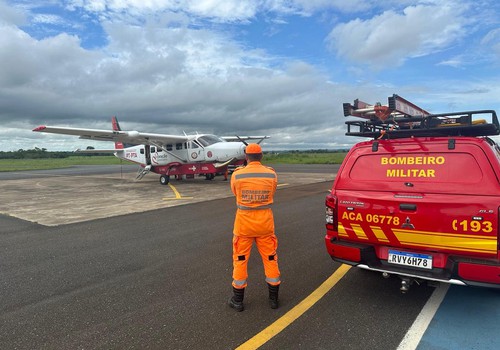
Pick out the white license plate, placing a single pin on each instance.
(422, 261)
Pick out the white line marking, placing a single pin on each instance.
(419, 326)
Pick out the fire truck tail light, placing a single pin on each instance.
(329, 215)
(331, 212)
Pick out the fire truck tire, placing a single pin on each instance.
(164, 179)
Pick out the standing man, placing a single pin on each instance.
(254, 187)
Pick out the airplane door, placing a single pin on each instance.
(195, 152)
(148, 154)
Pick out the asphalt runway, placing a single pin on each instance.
(160, 278)
(81, 193)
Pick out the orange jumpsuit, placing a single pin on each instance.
(254, 187)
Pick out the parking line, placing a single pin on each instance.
(177, 194)
(419, 326)
(288, 318)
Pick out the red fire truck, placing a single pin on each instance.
(421, 198)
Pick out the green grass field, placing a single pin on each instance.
(269, 158)
(304, 158)
(54, 163)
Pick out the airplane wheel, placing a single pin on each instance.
(209, 176)
(164, 179)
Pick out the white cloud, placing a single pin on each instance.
(225, 10)
(178, 79)
(492, 41)
(229, 10)
(392, 37)
(455, 62)
(11, 15)
(163, 69)
(48, 19)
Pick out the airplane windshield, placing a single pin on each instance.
(207, 140)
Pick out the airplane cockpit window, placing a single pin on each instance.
(193, 144)
(207, 140)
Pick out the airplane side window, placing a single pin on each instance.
(202, 141)
(142, 151)
(178, 146)
(207, 140)
(169, 147)
(153, 149)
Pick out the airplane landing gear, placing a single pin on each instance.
(164, 179)
(209, 176)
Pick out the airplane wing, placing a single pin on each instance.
(113, 150)
(133, 137)
(240, 138)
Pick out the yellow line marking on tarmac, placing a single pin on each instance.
(177, 194)
(284, 321)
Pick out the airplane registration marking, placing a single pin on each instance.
(176, 193)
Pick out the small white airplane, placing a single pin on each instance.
(167, 155)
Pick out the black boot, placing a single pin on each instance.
(273, 296)
(236, 301)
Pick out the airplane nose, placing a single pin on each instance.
(243, 148)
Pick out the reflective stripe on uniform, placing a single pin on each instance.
(243, 207)
(258, 175)
(240, 283)
(273, 280)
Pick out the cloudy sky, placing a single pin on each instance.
(276, 67)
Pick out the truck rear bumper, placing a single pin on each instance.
(459, 270)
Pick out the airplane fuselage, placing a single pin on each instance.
(204, 154)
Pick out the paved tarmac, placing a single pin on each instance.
(160, 279)
(90, 276)
(63, 196)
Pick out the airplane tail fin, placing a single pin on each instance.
(116, 127)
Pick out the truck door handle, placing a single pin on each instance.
(407, 207)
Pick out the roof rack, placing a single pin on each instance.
(401, 118)
(446, 124)
(396, 107)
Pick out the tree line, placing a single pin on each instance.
(39, 153)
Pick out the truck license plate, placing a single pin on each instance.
(422, 261)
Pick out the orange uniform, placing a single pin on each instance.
(254, 187)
